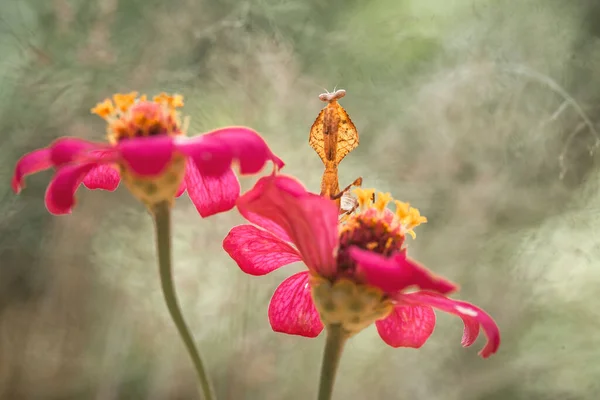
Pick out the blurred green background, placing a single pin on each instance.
(482, 113)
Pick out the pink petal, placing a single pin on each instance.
(147, 156)
(471, 315)
(60, 194)
(214, 152)
(105, 177)
(211, 194)
(407, 326)
(470, 331)
(292, 309)
(309, 220)
(396, 273)
(30, 163)
(268, 225)
(68, 149)
(258, 252)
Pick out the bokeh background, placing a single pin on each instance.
(482, 113)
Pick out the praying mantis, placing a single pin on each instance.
(333, 136)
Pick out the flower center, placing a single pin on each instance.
(375, 227)
(130, 117)
(345, 300)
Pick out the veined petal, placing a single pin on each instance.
(60, 194)
(393, 274)
(407, 326)
(471, 315)
(292, 310)
(30, 163)
(214, 152)
(147, 156)
(309, 220)
(267, 225)
(211, 194)
(105, 177)
(258, 252)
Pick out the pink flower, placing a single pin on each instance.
(148, 149)
(358, 271)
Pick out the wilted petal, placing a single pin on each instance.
(309, 220)
(292, 309)
(147, 156)
(407, 326)
(258, 252)
(471, 315)
(60, 194)
(392, 274)
(214, 152)
(30, 163)
(211, 194)
(104, 177)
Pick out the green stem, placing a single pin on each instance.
(334, 345)
(162, 221)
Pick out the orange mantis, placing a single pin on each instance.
(333, 136)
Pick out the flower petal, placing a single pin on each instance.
(471, 315)
(63, 151)
(268, 225)
(211, 194)
(214, 152)
(60, 194)
(30, 163)
(407, 326)
(147, 156)
(68, 149)
(292, 309)
(258, 252)
(104, 177)
(397, 272)
(309, 220)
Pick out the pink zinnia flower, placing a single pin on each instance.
(148, 149)
(358, 271)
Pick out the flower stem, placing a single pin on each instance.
(162, 221)
(334, 345)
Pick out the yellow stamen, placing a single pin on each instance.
(402, 209)
(104, 109)
(389, 243)
(382, 201)
(414, 218)
(124, 101)
(372, 245)
(127, 118)
(409, 216)
(175, 101)
(364, 197)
